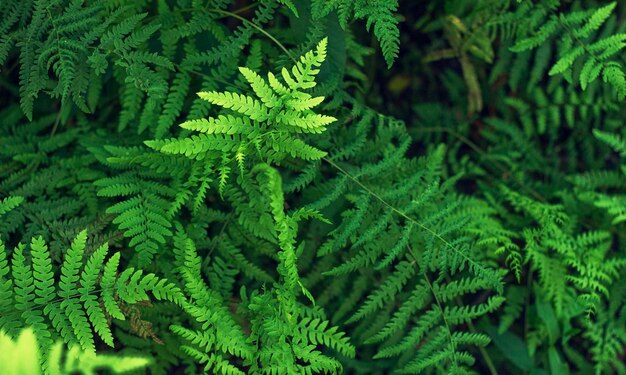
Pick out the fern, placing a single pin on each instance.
(69, 308)
(7, 204)
(143, 216)
(578, 27)
(377, 13)
(273, 317)
(22, 356)
(64, 35)
(313, 211)
(553, 235)
(268, 125)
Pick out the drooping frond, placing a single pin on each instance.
(380, 14)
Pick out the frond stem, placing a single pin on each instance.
(260, 29)
(403, 214)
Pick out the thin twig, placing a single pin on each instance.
(260, 29)
(403, 214)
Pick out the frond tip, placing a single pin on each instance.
(269, 124)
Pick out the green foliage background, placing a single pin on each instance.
(313, 186)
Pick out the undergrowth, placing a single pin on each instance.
(312, 186)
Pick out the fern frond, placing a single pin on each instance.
(265, 126)
(144, 215)
(70, 305)
(23, 356)
(380, 13)
(577, 41)
(9, 203)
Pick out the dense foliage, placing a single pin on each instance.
(312, 186)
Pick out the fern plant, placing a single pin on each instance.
(249, 187)
(79, 300)
(577, 28)
(377, 13)
(22, 357)
(268, 125)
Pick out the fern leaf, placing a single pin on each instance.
(380, 13)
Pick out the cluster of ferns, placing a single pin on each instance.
(312, 187)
